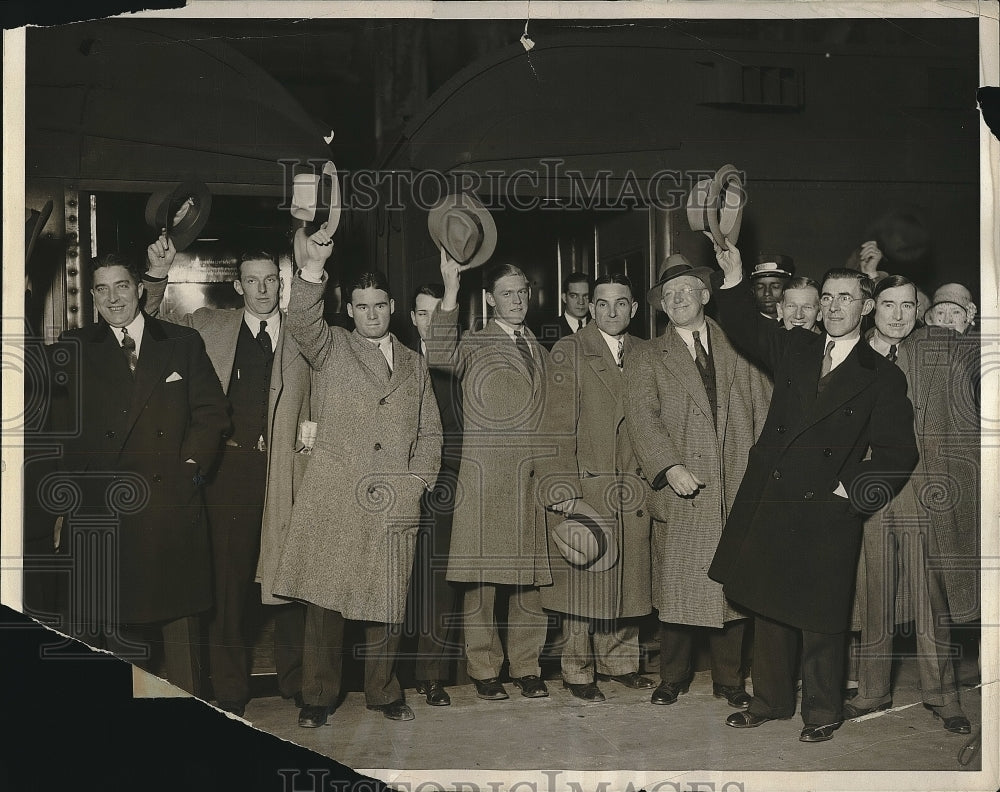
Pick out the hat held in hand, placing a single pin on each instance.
(307, 197)
(716, 205)
(461, 225)
(586, 539)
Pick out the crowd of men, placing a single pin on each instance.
(805, 463)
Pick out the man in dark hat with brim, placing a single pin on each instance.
(693, 408)
(769, 276)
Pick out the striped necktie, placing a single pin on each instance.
(128, 347)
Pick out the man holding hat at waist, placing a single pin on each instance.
(693, 408)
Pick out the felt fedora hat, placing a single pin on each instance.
(773, 266)
(716, 205)
(674, 266)
(309, 197)
(461, 225)
(182, 209)
(586, 539)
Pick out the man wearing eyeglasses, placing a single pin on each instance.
(837, 445)
(693, 408)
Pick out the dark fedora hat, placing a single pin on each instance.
(716, 205)
(674, 266)
(461, 225)
(586, 539)
(182, 209)
(773, 266)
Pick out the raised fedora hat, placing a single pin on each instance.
(182, 209)
(716, 205)
(586, 539)
(309, 198)
(773, 266)
(674, 266)
(461, 225)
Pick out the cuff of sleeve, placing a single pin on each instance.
(312, 277)
(728, 284)
(660, 481)
(152, 278)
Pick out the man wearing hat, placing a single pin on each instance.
(768, 278)
(838, 443)
(600, 595)
(693, 408)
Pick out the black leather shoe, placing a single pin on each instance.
(667, 692)
(819, 733)
(850, 711)
(490, 689)
(531, 686)
(956, 724)
(633, 680)
(746, 720)
(434, 692)
(396, 710)
(312, 717)
(235, 707)
(585, 692)
(736, 695)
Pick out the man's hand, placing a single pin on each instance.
(313, 250)
(160, 256)
(683, 481)
(870, 257)
(729, 259)
(565, 507)
(450, 270)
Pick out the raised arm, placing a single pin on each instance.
(443, 338)
(159, 259)
(305, 305)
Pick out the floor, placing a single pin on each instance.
(625, 733)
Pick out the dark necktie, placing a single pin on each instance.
(700, 355)
(621, 352)
(892, 353)
(522, 346)
(827, 360)
(264, 339)
(128, 347)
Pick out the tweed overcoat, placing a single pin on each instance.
(127, 450)
(585, 414)
(350, 542)
(789, 550)
(498, 529)
(942, 496)
(670, 421)
(288, 405)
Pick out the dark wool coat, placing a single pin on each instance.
(129, 461)
(585, 414)
(790, 547)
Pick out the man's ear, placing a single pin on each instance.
(392, 305)
(238, 286)
(868, 307)
(706, 295)
(139, 290)
(350, 310)
(490, 300)
(635, 307)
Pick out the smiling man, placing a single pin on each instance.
(799, 304)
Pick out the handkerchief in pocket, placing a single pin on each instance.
(174, 377)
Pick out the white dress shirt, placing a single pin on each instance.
(135, 329)
(687, 336)
(273, 325)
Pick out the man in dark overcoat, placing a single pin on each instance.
(837, 445)
(151, 415)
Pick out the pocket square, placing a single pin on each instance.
(174, 377)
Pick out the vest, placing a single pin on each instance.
(249, 387)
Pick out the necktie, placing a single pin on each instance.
(827, 360)
(522, 346)
(700, 355)
(128, 347)
(892, 353)
(580, 323)
(264, 339)
(621, 352)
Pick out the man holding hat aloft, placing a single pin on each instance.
(768, 278)
(599, 594)
(693, 408)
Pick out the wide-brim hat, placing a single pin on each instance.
(461, 225)
(674, 266)
(586, 539)
(316, 193)
(182, 209)
(716, 205)
(773, 266)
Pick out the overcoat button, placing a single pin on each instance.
(157, 478)
(827, 452)
(848, 411)
(781, 430)
(378, 446)
(159, 433)
(531, 474)
(371, 490)
(381, 401)
(776, 475)
(638, 471)
(788, 382)
(639, 513)
(809, 495)
(109, 434)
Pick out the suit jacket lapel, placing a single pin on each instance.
(851, 377)
(724, 359)
(682, 366)
(509, 348)
(598, 357)
(403, 365)
(154, 355)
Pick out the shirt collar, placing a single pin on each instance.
(509, 329)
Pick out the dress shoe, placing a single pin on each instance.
(235, 707)
(819, 733)
(531, 686)
(395, 710)
(850, 711)
(736, 695)
(633, 680)
(850, 693)
(585, 692)
(956, 724)
(667, 692)
(434, 692)
(746, 720)
(490, 689)
(313, 716)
